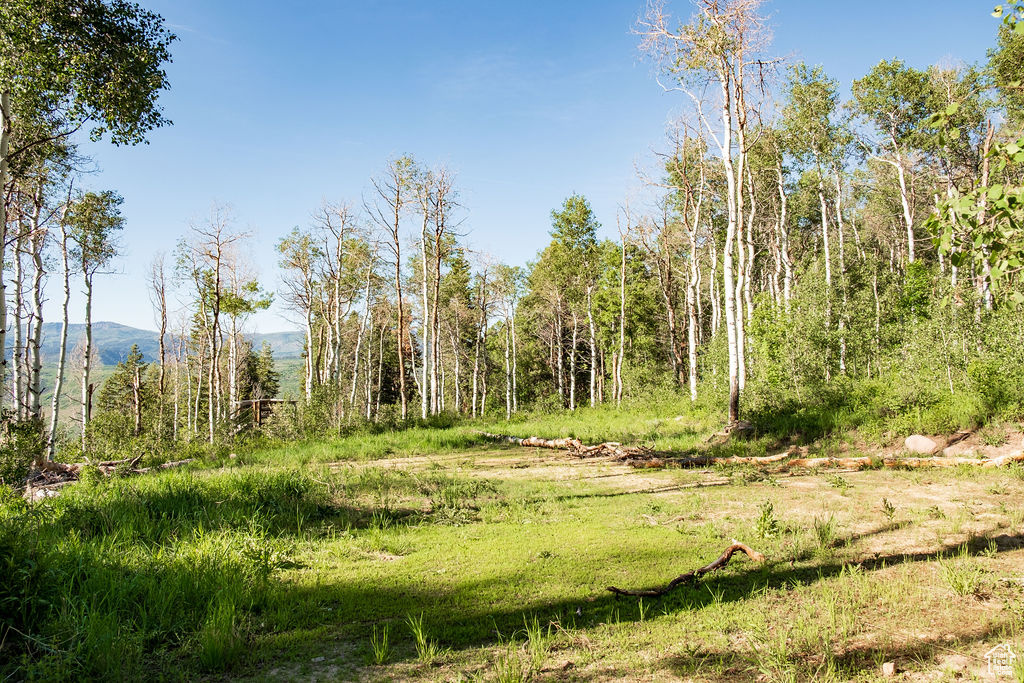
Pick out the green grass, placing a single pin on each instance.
(355, 558)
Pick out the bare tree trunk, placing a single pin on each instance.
(908, 215)
(137, 400)
(380, 372)
(425, 403)
(593, 347)
(731, 314)
(787, 263)
(515, 367)
(19, 322)
(158, 282)
(824, 233)
(58, 384)
(572, 361)
(842, 273)
(87, 366)
(5, 138)
(622, 325)
(476, 369)
(508, 371)
(35, 335)
(359, 337)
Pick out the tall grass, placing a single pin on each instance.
(109, 577)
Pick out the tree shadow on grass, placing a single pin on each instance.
(473, 614)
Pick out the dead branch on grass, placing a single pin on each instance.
(691, 577)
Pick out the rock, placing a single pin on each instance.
(889, 669)
(920, 444)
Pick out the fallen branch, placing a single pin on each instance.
(691, 577)
(574, 446)
(642, 457)
(53, 476)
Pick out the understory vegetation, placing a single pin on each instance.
(428, 553)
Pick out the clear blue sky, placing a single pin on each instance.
(278, 106)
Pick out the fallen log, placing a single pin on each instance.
(691, 577)
(642, 457)
(53, 476)
(574, 446)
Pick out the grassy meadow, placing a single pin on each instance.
(431, 554)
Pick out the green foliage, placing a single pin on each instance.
(86, 61)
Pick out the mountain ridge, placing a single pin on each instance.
(114, 340)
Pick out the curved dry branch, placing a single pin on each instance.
(691, 577)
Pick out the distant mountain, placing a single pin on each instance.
(113, 341)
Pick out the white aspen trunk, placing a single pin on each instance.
(233, 367)
(412, 361)
(5, 138)
(87, 365)
(17, 356)
(622, 325)
(177, 399)
(58, 384)
(593, 348)
(732, 333)
(35, 382)
(692, 285)
(748, 264)
(697, 298)
(425, 403)
(572, 361)
(985, 288)
(908, 215)
(716, 311)
(824, 233)
(458, 378)
(842, 272)
(380, 372)
(437, 401)
(787, 263)
(476, 370)
(308, 388)
(515, 368)
(508, 371)
(137, 400)
(359, 338)
(556, 344)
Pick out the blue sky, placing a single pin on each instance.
(279, 106)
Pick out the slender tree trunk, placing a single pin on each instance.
(729, 277)
(35, 336)
(572, 361)
(5, 138)
(593, 347)
(425, 395)
(508, 371)
(87, 365)
(58, 384)
(622, 325)
(908, 215)
(19, 322)
(787, 263)
(824, 233)
(515, 367)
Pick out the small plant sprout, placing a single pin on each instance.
(379, 644)
(427, 650)
(888, 509)
(767, 524)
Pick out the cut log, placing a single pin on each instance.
(691, 577)
(642, 457)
